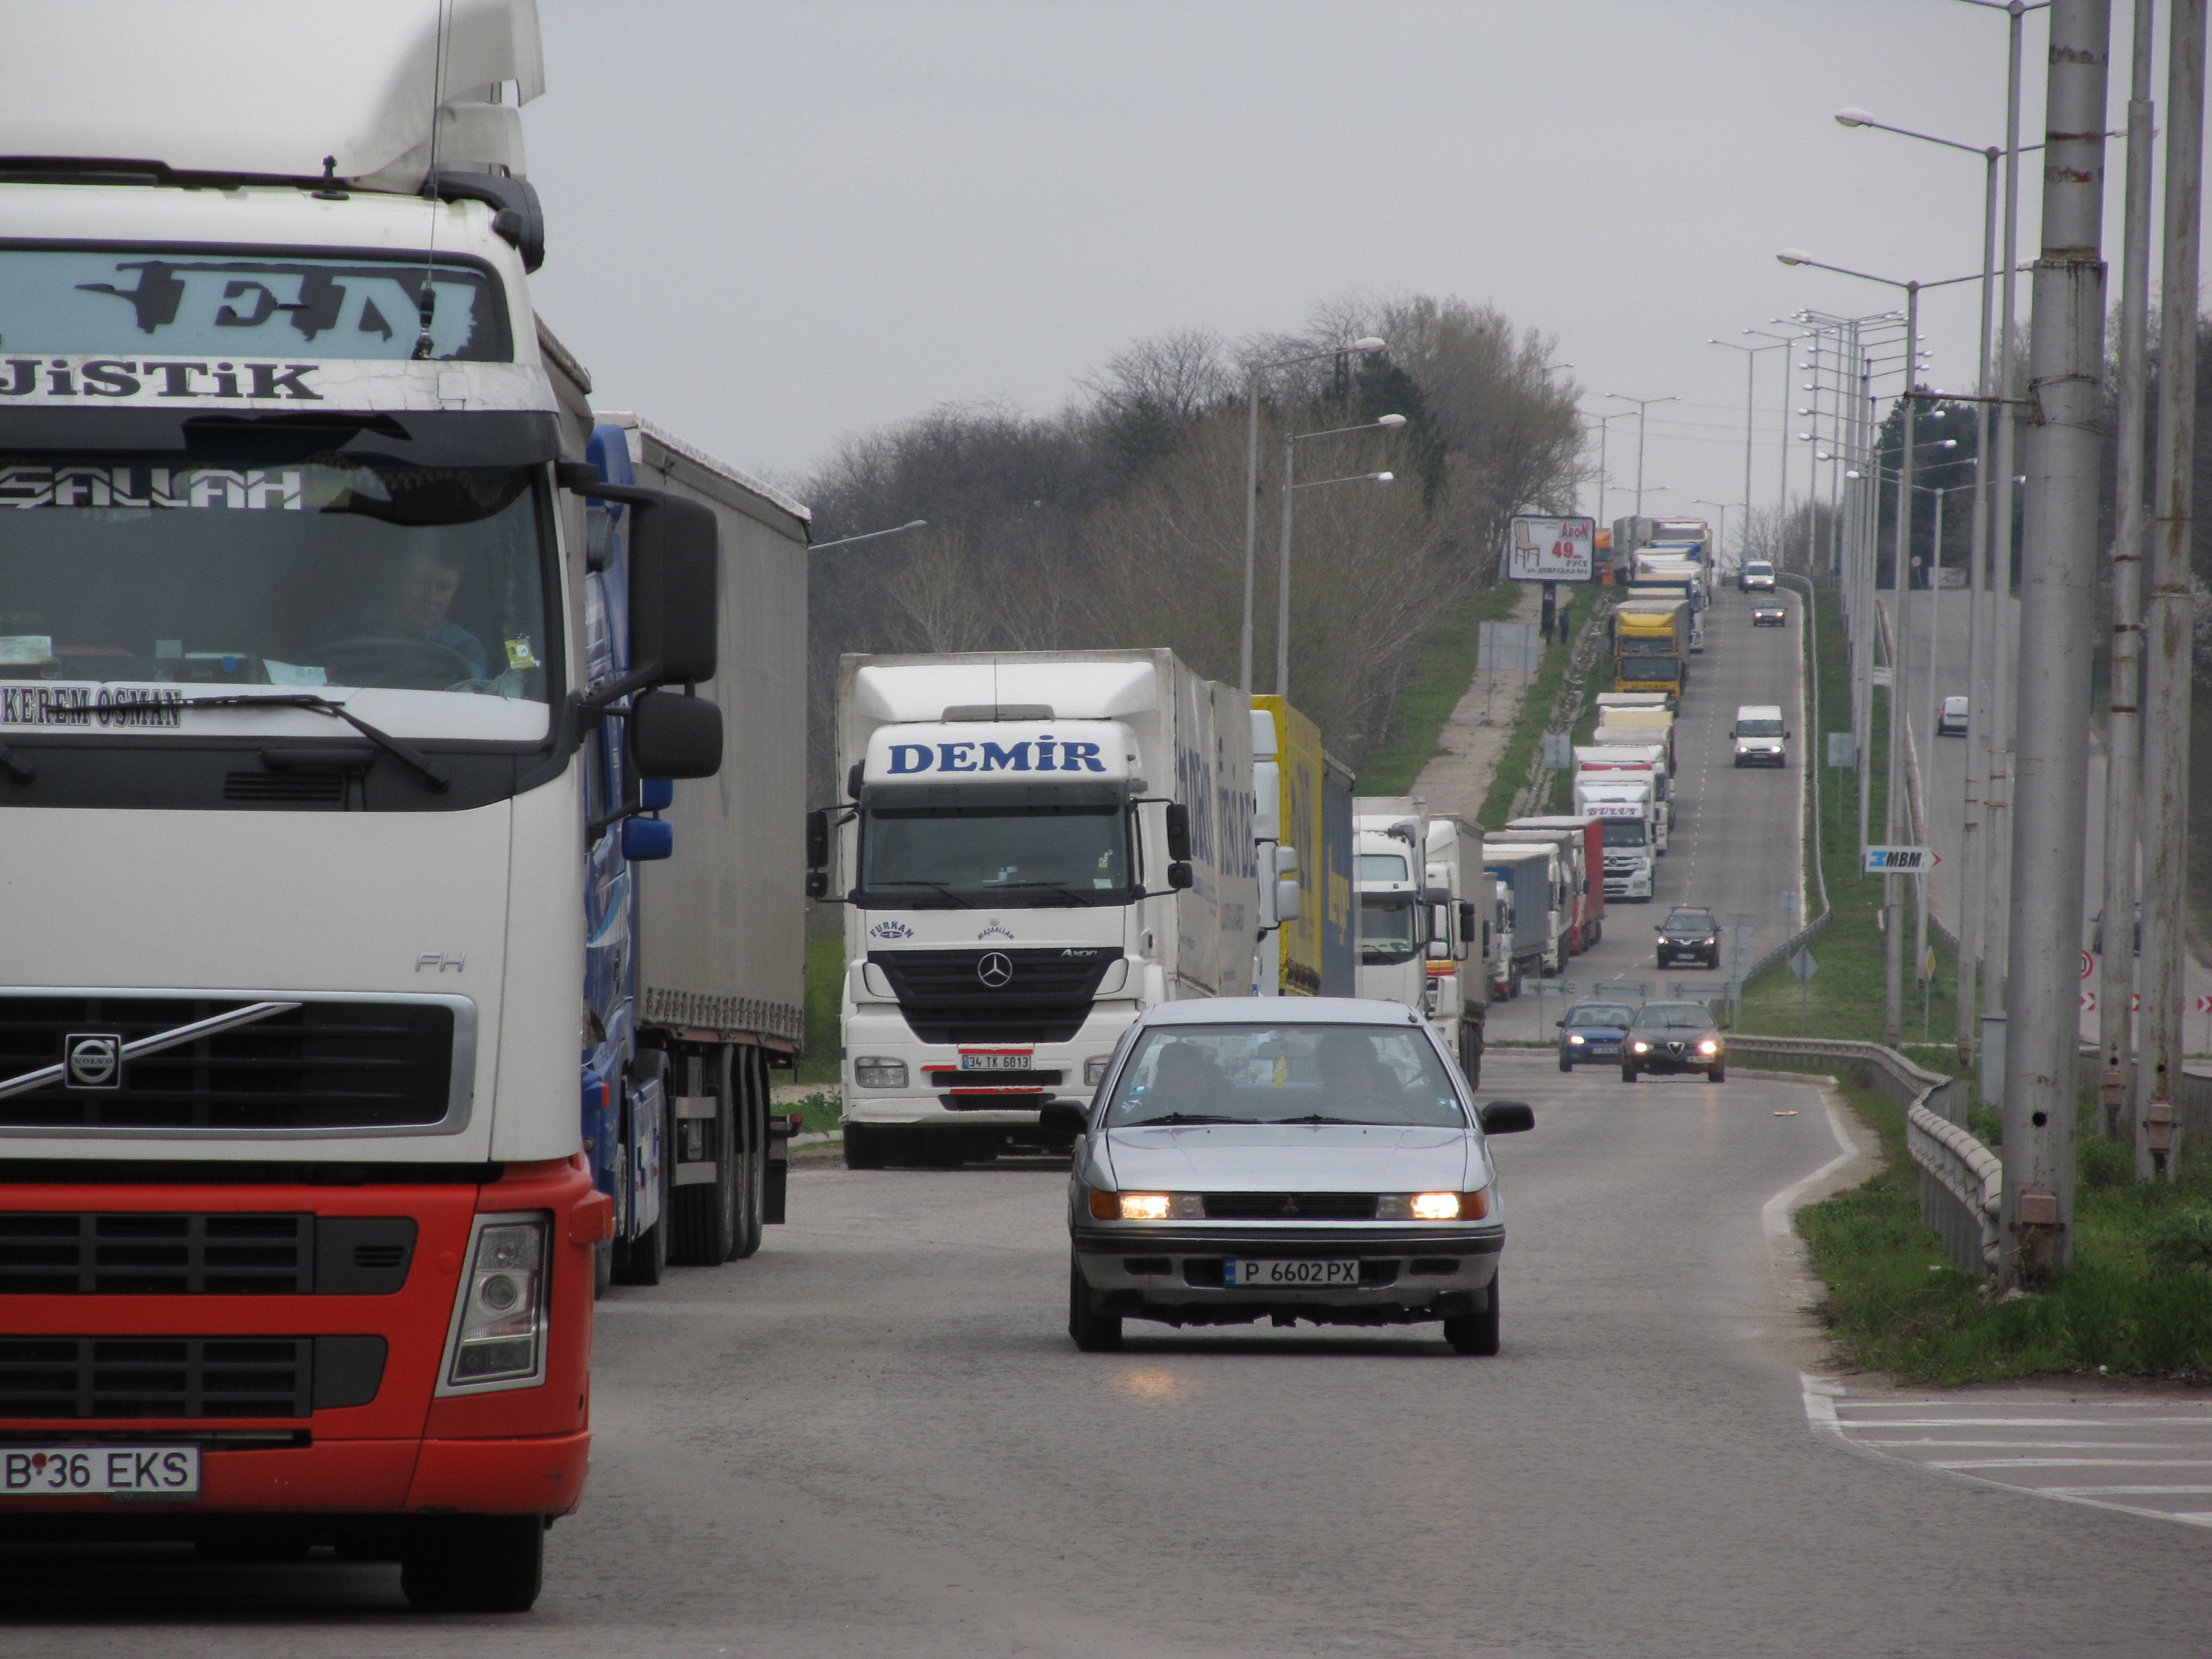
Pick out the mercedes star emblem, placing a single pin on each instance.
(995, 970)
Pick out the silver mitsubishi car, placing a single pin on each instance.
(1250, 1158)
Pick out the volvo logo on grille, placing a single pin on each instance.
(92, 1060)
(995, 970)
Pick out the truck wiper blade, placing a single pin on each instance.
(1072, 895)
(938, 886)
(435, 775)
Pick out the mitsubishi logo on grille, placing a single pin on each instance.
(995, 970)
(92, 1060)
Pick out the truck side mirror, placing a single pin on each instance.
(817, 883)
(1287, 902)
(672, 736)
(675, 567)
(1179, 875)
(646, 839)
(817, 839)
(1286, 860)
(1178, 832)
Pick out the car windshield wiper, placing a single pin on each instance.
(1182, 1117)
(1319, 1117)
(435, 775)
(965, 904)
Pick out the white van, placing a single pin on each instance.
(1761, 739)
(1755, 577)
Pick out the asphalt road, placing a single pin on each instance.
(875, 1439)
(1735, 836)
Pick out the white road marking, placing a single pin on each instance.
(1870, 1424)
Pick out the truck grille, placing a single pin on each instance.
(1290, 1206)
(1041, 995)
(137, 1253)
(185, 1376)
(322, 1065)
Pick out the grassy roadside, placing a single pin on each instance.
(1443, 667)
(1844, 999)
(1590, 609)
(2136, 1302)
(825, 976)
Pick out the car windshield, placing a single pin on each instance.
(1673, 1016)
(236, 569)
(1037, 854)
(1600, 1013)
(1285, 1073)
(1759, 728)
(1694, 921)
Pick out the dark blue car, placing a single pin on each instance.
(1593, 1030)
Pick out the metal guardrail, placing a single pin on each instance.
(1961, 1180)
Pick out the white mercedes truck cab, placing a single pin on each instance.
(1034, 847)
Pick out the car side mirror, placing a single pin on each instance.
(1178, 831)
(675, 571)
(1065, 1117)
(1507, 1117)
(673, 736)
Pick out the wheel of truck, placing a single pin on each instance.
(473, 1563)
(704, 1221)
(1476, 1333)
(752, 1116)
(1471, 1058)
(1093, 1332)
(864, 1147)
(640, 1260)
(1513, 982)
(941, 1149)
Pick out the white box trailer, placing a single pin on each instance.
(1035, 846)
(1462, 902)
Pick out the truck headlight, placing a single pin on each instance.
(874, 1073)
(498, 1336)
(1094, 1070)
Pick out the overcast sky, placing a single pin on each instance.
(771, 225)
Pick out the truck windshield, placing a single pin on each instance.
(1623, 832)
(1387, 932)
(1036, 855)
(1382, 866)
(1284, 1074)
(1650, 668)
(237, 568)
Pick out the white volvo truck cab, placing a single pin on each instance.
(1390, 867)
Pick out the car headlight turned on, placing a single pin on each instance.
(878, 1073)
(498, 1337)
(1641, 1047)
(1094, 1070)
(1708, 1046)
(1433, 1207)
(1145, 1207)
(1574, 1039)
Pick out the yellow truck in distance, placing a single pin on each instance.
(1652, 645)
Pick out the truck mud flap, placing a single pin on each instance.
(781, 1126)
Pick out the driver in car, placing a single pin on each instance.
(1185, 1079)
(422, 593)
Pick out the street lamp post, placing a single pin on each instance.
(1720, 534)
(1366, 343)
(1750, 373)
(1290, 441)
(1642, 404)
(1892, 894)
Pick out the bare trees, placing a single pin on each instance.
(1119, 520)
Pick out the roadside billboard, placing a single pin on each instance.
(1551, 550)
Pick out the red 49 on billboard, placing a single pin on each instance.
(1539, 549)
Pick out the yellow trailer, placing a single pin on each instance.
(1652, 645)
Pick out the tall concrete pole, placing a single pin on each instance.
(1893, 721)
(2165, 829)
(1997, 789)
(1978, 651)
(1251, 528)
(1869, 528)
(1283, 575)
(2057, 608)
(2123, 766)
